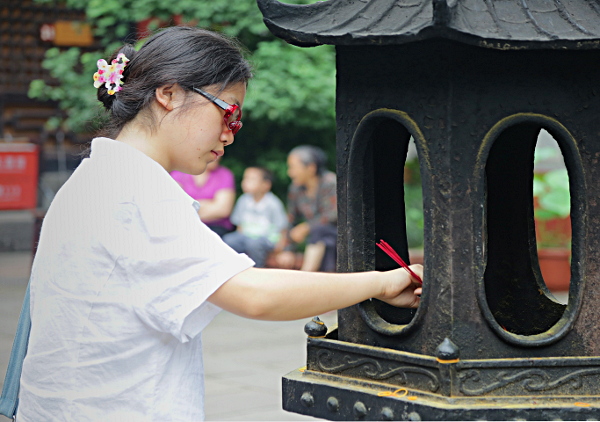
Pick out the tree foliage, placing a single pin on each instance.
(290, 101)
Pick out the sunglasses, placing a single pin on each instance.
(233, 112)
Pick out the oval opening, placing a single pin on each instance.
(398, 205)
(377, 206)
(515, 291)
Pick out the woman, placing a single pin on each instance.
(126, 275)
(215, 192)
(312, 211)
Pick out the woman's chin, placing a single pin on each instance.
(196, 170)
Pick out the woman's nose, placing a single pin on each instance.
(227, 137)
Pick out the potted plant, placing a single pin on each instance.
(553, 223)
(413, 199)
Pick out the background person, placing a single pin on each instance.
(215, 192)
(312, 211)
(259, 215)
(126, 275)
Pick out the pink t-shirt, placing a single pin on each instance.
(220, 178)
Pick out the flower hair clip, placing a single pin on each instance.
(110, 74)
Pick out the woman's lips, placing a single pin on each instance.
(217, 154)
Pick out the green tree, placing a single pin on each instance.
(290, 101)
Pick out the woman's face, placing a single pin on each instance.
(198, 135)
(298, 171)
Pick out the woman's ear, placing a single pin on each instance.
(168, 95)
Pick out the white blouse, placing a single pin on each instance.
(119, 291)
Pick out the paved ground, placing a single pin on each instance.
(244, 359)
(16, 230)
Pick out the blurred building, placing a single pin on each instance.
(27, 30)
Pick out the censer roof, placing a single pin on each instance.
(501, 24)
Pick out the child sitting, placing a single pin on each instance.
(259, 216)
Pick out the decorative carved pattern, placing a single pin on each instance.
(373, 369)
(531, 380)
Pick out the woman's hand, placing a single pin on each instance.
(399, 288)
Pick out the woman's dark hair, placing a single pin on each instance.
(309, 154)
(190, 57)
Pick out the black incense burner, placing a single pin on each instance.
(473, 82)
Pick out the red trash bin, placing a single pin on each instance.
(18, 175)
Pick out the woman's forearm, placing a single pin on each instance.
(218, 207)
(299, 233)
(273, 294)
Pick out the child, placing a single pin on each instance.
(259, 216)
(126, 276)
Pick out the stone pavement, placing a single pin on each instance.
(244, 359)
(16, 230)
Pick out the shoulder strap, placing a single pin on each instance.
(10, 391)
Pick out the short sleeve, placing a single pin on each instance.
(327, 201)
(292, 204)
(238, 210)
(178, 266)
(280, 219)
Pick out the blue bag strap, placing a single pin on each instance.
(10, 391)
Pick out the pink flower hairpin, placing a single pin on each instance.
(111, 74)
(384, 246)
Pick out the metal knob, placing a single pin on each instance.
(360, 410)
(307, 399)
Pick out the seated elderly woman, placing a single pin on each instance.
(312, 211)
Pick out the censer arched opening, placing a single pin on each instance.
(377, 206)
(513, 295)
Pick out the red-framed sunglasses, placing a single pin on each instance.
(233, 112)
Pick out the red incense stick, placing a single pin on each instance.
(384, 246)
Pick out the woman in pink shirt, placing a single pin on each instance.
(215, 191)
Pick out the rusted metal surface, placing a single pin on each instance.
(312, 393)
(344, 381)
(489, 340)
(474, 129)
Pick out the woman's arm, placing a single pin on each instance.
(220, 206)
(280, 295)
